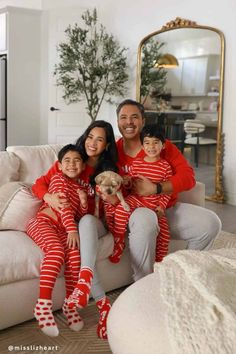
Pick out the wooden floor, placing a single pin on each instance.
(226, 213)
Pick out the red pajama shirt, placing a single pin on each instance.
(46, 231)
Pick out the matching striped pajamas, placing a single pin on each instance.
(117, 218)
(51, 236)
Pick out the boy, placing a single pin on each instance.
(153, 167)
(56, 233)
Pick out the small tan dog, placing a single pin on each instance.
(109, 182)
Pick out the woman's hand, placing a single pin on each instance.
(111, 199)
(143, 186)
(73, 239)
(83, 198)
(56, 201)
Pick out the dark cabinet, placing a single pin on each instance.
(172, 122)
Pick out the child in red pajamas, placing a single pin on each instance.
(56, 233)
(157, 170)
(97, 144)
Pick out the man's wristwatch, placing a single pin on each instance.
(159, 188)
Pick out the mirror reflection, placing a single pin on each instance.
(180, 78)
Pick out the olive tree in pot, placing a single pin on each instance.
(153, 79)
(92, 65)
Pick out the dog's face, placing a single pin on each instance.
(109, 182)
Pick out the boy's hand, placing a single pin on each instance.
(73, 239)
(56, 201)
(160, 211)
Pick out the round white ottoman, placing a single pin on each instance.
(136, 322)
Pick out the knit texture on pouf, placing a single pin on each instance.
(198, 289)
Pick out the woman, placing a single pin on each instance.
(98, 144)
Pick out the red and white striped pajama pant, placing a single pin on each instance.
(117, 220)
(51, 237)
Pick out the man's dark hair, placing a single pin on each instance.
(132, 103)
(70, 147)
(152, 131)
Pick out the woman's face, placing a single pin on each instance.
(96, 142)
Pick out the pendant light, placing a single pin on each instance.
(166, 61)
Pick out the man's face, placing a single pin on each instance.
(130, 122)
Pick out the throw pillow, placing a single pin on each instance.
(17, 206)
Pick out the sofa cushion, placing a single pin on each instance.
(17, 206)
(20, 257)
(10, 164)
(34, 160)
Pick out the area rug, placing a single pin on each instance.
(27, 338)
(224, 240)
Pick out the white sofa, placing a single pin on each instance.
(20, 258)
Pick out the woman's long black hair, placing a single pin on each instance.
(109, 156)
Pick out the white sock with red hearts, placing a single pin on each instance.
(44, 316)
(74, 320)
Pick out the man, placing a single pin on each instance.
(183, 218)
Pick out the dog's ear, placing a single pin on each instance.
(99, 178)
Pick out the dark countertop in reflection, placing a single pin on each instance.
(209, 118)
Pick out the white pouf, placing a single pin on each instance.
(187, 305)
(136, 320)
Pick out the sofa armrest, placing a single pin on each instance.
(196, 195)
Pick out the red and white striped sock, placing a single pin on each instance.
(80, 296)
(104, 307)
(44, 316)
(74, 320)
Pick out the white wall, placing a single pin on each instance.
(130, 21)
(31, 4)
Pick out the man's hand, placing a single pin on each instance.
(73, 239)
(56, 201)
(143, 186)
(127, 181)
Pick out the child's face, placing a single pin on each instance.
(152, 147)
(72, 164)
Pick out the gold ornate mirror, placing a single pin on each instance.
(180, 76)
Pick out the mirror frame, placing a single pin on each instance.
(179, 22)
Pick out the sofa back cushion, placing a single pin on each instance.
(17, 206)
(34, 160)
(10, 164)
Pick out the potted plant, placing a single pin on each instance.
(92, 65)
(153, 79)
